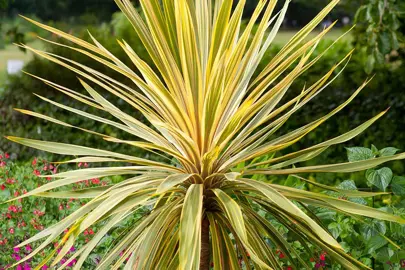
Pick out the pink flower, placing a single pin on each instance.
(2, 164)
(28, 248)
(11, 230)
(19, 267)
(2, 187)
(34, 162)
(36, 172)
(16, 257)
(27, 267)
(95, 181)
(10, 181)
(6, 155)
(45, 267)
(73, 262)
(17, 249)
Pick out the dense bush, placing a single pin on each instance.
(19, 91)
(384, 91)
(365, 239)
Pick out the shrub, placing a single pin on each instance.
(23, 218)
(19, 90)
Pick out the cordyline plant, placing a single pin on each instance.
(216, 118)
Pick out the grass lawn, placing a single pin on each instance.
(284, 36)
(11, 52)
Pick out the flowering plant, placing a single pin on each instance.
(21, 219)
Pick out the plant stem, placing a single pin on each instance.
(205, 245)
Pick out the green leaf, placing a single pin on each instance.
(347, 185)
(380, 178)
(394, 41)
(384, 254)
(384, 43)
(373, 228)
(359, 153)
(335, 229)
(398, 256)
(398, 185)
(379, 57)
(350, 185)
(370, 64)
(4, 194)
(375, 242)
(388, 151)
(374, 150)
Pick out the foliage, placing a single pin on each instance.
(60, 9)
(218, 123)
(384, 91)
(370, 240)
(4, 3)
(26, 217)
(16, 179)
(378, 30)
(18, 93)
(367, 240)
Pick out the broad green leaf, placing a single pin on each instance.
(372, 228)
(370, 63)
(384, 254)
(359, 153)
(350, 185)
(384, 42)
(380, 178)
(398, 185)
(374, 243)
(388, 151)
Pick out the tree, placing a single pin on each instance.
(214, 123)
